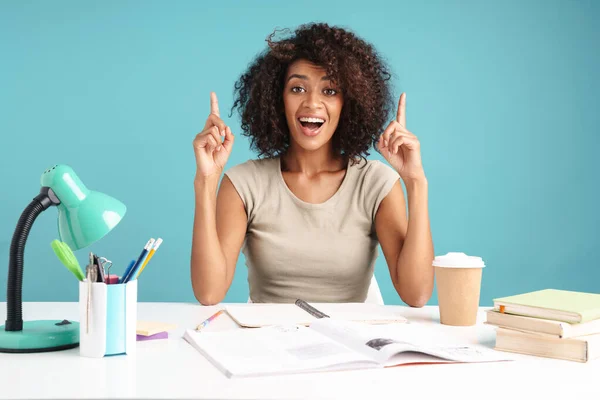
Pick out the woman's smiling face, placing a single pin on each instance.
(312, 105)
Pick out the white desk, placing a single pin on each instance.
(174, 369)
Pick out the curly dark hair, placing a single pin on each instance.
(350, 62)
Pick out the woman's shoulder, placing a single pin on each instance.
(374, 180)
(374, 170)
(252, 179)
(256, 168)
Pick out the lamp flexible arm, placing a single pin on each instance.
(14, 302)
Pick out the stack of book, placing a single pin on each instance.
(549, 323)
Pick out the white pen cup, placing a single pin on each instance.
(107, 323)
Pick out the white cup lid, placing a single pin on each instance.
(458, 260)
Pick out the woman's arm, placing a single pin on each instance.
(219, 219)
(219, 230)
(406, 242)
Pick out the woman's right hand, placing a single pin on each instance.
(212, 153)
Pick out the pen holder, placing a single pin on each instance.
(108, 322)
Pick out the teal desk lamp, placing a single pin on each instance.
(84, 216)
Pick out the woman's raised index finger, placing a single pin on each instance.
(401, 117)
(214, 104)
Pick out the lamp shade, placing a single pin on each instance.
(84, 216)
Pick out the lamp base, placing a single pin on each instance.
(40, 336)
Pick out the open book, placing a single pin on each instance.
(328, 345)
(303, 313)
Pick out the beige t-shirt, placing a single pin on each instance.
(317, 252)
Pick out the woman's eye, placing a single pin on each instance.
(330, 92)
(297, 89)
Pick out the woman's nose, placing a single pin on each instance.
(313, 99)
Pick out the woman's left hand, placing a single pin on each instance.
(401, 148)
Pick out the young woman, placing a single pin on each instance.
(311, 210)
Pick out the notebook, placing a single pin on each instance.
(329, 345)
(559, 305)
(582, 349)
(540, 326)
(303, 313)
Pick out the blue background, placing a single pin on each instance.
(503, 96)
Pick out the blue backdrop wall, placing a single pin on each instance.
(503, 96)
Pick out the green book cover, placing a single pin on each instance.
(586, 305)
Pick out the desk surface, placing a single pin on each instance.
(174, 369)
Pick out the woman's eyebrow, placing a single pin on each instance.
(305, 78)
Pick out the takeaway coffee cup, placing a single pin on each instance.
(458, 280)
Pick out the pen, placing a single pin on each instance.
(127, 271)
(154, 248)
(209, 319)
(140, 260)
(310, 309)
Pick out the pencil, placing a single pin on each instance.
(131, 273)
(209, 319)
(156, 245)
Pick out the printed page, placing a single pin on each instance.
(274, 350)
(395, 344)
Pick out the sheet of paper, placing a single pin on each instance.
(257, 315)
(364, 312)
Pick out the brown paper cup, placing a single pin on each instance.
(458, 294)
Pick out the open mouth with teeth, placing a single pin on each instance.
(310, 125)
